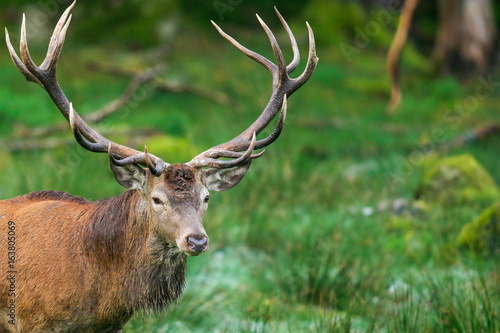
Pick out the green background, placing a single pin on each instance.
(299, 245)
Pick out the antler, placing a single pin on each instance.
(45, 75)
(241, 147)
(239, 150)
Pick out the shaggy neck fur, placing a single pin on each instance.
(146, 272)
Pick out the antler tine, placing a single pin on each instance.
(283, 87)
(281, 71)
(156, 169)
(213, 162)
(249, 53)
(19, 64)
(312, 59)
(25, 53)
(296, 54)
(57, 39)
(141, 158)
(45, 76)
(277, 130)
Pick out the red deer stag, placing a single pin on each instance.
(78, 266)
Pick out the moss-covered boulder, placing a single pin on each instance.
(456, 180)
(483, 234)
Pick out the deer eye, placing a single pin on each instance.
(206, 199)
(157, 201)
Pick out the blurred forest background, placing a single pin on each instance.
(356, 220)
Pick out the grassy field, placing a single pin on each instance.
(299, 245)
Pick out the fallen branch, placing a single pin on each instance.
(469, 137)
(167, 86)
(395, 50)
(137, 81)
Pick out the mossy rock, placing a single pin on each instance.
(171, 149)
(456, 180)
(483, 234)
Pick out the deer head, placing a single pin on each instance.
(174, 196)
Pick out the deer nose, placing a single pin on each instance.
(198, 243)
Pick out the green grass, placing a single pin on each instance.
(291, 250)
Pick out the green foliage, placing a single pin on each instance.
(135, 23)
(347, 21)
(179, 148)
(5, 159)
(238, 11)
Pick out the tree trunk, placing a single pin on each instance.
(466, 33)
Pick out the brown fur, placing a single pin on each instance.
(179, 178)
(86, 266)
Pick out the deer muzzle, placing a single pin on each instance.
(197, 243)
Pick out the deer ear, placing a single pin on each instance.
(224, 179)
(130, 176)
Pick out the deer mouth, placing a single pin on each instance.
(162, 250)
(188, 252)
(174, 249)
